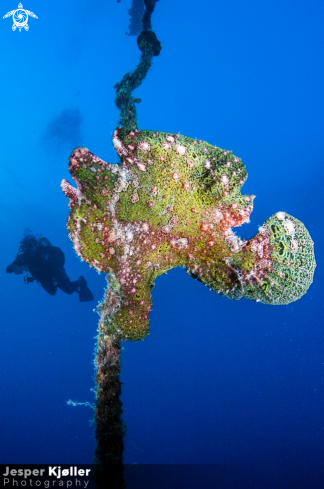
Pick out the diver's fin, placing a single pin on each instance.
(85, 294)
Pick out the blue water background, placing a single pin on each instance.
(217, 381)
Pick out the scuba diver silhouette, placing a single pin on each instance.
(45, 263)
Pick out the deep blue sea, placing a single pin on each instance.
(217, 381)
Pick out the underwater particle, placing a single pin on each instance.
(192, 229)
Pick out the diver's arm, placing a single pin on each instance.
(16, 263)
(19, 270)
(17, 266)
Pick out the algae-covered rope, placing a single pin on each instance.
(150, 46)
(110, 429)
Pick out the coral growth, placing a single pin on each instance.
(173, 202)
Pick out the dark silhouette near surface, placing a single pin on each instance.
(62, 131)
(45, 264)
